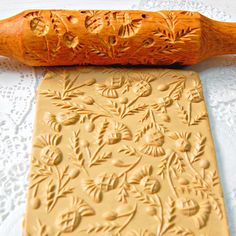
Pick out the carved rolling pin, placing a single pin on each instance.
(66, 37)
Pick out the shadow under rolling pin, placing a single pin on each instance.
(104, 37)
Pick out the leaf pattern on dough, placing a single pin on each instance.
(101, 159)
(147, 141)
(100, 227)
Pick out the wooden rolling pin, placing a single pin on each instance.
(68, 37)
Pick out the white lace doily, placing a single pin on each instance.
(17, 88)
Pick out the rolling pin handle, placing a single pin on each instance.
(225, 35)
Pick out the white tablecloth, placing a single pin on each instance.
(18, 84)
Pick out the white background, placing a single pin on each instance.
(18, 84)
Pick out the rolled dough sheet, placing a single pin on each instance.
(123, 152)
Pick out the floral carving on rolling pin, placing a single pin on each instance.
(38, 24)
(114, 37)
(93, 21)
(110, 35)
(128, 27)
(168, 31)
(121, 138)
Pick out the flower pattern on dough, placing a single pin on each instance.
(135, 139)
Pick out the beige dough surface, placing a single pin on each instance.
(123, 152)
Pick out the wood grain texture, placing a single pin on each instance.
(66, 37)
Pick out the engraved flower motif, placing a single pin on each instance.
(142, 88)
(181, 140)
(38, 24)
(106, 182)
(117, 133)
(103, 182)
(68, 221)
(50, 154)
(144, 178)
(195, 94)
(187, 207)
(199, 212)
(108, 89)
(93, 21)
(63, 118)
(70, 40)
(154, 141)
(150, 184)
(130, 28)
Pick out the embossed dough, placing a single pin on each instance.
(123, 152)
